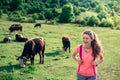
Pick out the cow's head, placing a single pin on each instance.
(22, 61)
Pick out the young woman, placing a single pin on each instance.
(90, 56)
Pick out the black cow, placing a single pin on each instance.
(20, 38)
(37, 25)
(15, 27)
(31, 48)
(6, 39)
(66, 43)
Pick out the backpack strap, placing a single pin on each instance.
(94, 68)
(80, 54)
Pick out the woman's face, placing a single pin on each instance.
(86, 39)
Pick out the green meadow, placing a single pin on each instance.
(58, 65)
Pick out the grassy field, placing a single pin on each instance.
(58, 65)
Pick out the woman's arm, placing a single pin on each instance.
(78, 60)
(100, 60)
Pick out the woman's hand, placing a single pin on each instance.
(95, 63)
(99, 61)
(80, 61)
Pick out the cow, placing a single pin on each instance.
(6, 39)
(20, 38)
(15, 27)
(31, 48)
(37, 25)
(66, 43)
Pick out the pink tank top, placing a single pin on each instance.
(86, 68)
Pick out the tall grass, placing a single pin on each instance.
(58, 65)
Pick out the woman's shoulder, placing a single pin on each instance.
(78, 45)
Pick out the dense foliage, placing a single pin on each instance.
(67, 14)
(31, 10)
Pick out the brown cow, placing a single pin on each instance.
(66, 43)
(31, 48)
(6, 39)
(15, 27)
(20, 38)
(37, 25)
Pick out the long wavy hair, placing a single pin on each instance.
(95, 43)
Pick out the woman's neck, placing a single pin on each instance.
(87, 46)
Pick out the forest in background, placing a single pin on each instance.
(102, 13)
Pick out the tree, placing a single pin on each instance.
(76, 10)
(67, 13)
(15, 4)
(99, 8)
(93, 21)
(102, 15)
(106, 23)
(48, 14)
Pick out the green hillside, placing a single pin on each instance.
(58, 65)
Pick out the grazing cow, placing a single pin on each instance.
(6, 39)
(15, 27)
(66, 43)
(37, 25)
(31, 48)
(20, 38)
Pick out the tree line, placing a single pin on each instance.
(63, 11)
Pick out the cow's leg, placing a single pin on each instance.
(32, 59)
(42, 57)
(40, 25)
(41, 54)
(69, 47)
(69, 50)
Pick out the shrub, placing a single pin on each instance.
(35, 16)
(27, 20)
(41, 16)
(16, 18)
(101, 15)
(30, 20)
(99, 8)
(23, 20)
(82, 9)
(80, 21)
(93, 21)
(106, 23)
